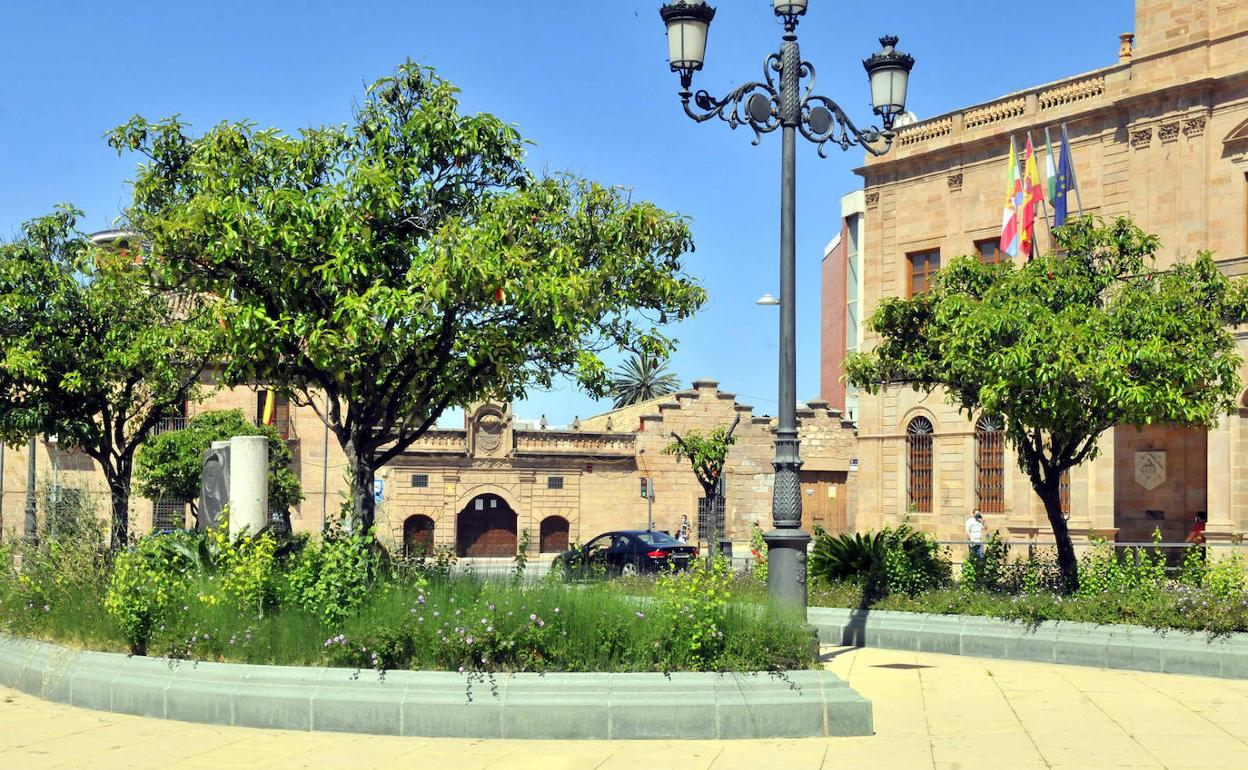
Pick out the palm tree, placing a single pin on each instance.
(642, 378)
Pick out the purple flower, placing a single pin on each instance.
(533, 616)
(641, 614)
(420, 599)
(469, 641)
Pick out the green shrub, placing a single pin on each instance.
(694, 604)
(758, 550)
(147, 585)
(1105, 569)
(330, 579)
(1225, 578)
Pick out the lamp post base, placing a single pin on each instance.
(786, 567)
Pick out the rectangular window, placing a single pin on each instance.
(923, 267)
(989, 251)
(420, 480)
(1063, 487)
(554, 482)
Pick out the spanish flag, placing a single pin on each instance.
(1033, 194)
(270, 407)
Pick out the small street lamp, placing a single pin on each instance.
(778, 102)
(767, 299)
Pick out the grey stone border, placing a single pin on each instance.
(1081, 644)
(436, 704)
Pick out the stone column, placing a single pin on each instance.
(1218, 480)
(249, 484)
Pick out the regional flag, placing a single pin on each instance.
(1013, 197)
(1065, 181)
(270, 408)
(1033, 194)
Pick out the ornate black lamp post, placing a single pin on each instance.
(764, 107)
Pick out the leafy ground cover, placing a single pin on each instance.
(339, 602)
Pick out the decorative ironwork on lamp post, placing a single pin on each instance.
(778, 102)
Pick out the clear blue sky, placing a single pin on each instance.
(587, 81)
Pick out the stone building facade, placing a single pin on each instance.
(1162, 136)
(479, 489)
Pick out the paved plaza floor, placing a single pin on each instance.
(931, 711)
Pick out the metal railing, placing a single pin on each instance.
(168, 424)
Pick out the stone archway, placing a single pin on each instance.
(486, 526)
(554, 535)
(417, 536)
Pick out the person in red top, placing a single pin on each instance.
(1197, 535)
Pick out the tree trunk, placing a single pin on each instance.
(119, 488)
(363, 471)
(1051, 496)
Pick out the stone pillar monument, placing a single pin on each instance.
(249, 484)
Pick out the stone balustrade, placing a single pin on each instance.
(1050, 102)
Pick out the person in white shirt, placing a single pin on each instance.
(975, 533)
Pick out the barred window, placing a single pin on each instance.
(554, 482)
(919, 464)
(168, 514)
(990, 464)
(420, 480)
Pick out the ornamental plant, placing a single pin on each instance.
(694, 604)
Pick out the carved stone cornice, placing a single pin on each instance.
(955, 181)
(1141, 138)
(1194, 126)
(1168, 132)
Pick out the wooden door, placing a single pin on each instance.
(823, 501)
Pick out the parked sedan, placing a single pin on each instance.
(627, 552)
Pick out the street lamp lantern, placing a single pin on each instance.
(688, 22)
(785, 101)
(789, 10)
(889, 73)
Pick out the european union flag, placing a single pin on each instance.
(1065, 182)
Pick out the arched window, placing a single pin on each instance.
(919, 464)
(554, 535)
(990, 464)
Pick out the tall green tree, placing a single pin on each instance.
(1065, 348)
(170, 466)
(387, 269)
(640, 378)
(91, 352)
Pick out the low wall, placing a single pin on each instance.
(436, 704)
(1081, 644)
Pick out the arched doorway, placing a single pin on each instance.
(486, 527)
(417, 536)
(554, 534)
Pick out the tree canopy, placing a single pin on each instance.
(406, 262)
(170, 466)
(706, 453)
(1064, 348)
(92, 353)
(640, 378)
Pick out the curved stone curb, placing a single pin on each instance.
(1081, 644)
(436, 704)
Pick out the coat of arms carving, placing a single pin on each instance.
(1150, 469)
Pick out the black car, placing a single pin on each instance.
(627, 552)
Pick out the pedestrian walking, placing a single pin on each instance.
(682, 533)
(975, 534)
(1197, 535)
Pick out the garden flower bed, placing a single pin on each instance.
(339, 604)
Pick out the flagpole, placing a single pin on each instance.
(1074, 178)
(1044, 205)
